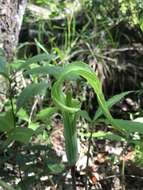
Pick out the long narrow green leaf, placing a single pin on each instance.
(129, 126)
(112, 101)
(103, 135)
(48, 69)
(36, 59)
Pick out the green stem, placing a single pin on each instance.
(88, 156)
(70, 135)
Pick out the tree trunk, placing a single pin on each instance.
(11, 15)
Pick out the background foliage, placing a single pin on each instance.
(101, 42)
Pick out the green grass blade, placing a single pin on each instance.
(112, 101)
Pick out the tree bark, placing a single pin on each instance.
(11, 16)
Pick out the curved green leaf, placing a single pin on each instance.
(104, 135)
(112, 101)
(36, 58)
(81, 69)
(69, 108)
(48, 69)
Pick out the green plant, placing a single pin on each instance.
(65, 103)
(17, 128)
(70, 107)
(8, 118)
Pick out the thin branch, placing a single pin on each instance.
(88, 155)
(73, 177)
(32, 110)
(11, 102)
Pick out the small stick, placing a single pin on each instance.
(88, 156)
(73, 177)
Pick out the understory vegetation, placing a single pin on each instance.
(71, 100)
